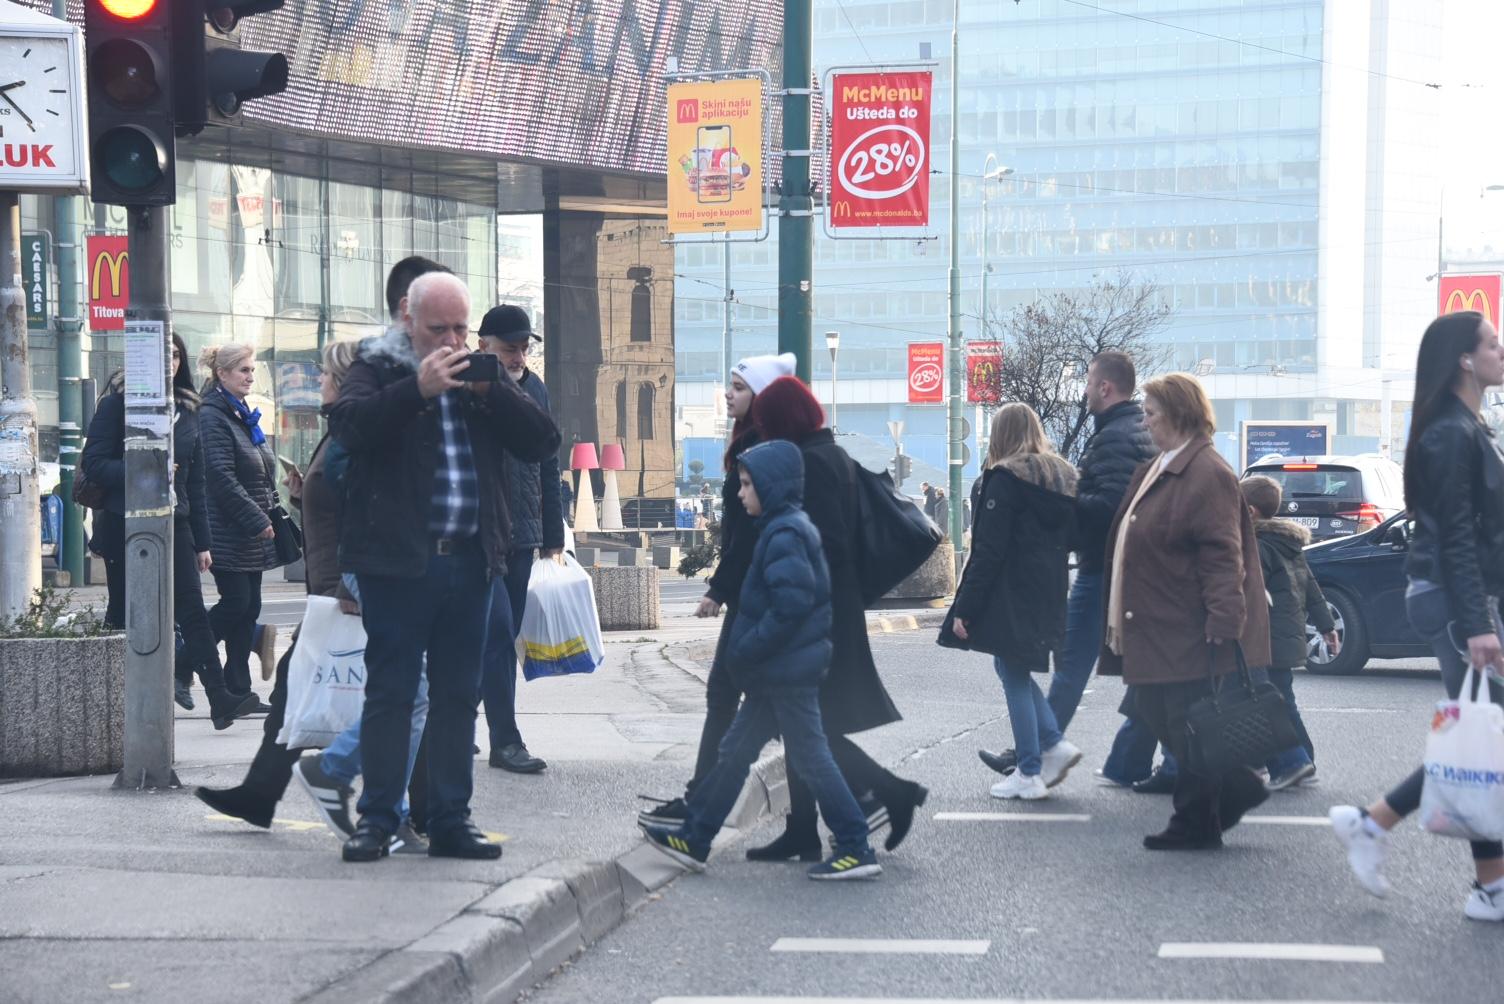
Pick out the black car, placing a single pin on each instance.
(1363, 577)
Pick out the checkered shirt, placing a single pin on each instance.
(456, 496)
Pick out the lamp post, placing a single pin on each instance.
(953, 342)
(833, 343)
(991, 171)
(1440, 230)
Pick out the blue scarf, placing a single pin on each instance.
(251, 418)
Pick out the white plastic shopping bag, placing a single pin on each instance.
(1463, 795)
(561, 630)
(326, 676)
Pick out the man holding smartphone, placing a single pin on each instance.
(537, 524)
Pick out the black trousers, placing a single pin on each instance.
(234, 621)
(108, 541)
(862, 774)
(1200, 801)
(200, 653)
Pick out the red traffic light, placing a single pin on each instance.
(128, 10)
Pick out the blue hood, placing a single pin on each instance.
(777, 472)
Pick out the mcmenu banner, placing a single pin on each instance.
(1470, 292)
(879, 149)
(107, 278)
(926, 372)
(715, 156)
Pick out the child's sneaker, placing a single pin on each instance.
(841, 866)
(671, 843)
(1484, 905)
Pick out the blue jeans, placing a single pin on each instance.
(440, 614)
(1034, 728)
(1083, 640)
(1132, 755)
(498, 682)
(341, 758)
(1301, 753)
(763, 716)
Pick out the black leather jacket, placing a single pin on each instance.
(1458, 474)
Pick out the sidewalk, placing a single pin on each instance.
(153, 897)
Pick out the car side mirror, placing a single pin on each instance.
(1399, 537)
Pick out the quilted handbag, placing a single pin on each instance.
(1240, 724)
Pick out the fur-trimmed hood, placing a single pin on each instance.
(1046, 470)
(1282, 533)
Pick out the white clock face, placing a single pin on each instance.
(36, 99)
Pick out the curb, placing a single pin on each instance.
(905, 622)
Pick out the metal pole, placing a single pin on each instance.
(20, 515)
(953, 402)
(726, 312)
(148, 513)
(796, 210)
(69, 370)
(835, 394)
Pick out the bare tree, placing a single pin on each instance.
(1048, 344)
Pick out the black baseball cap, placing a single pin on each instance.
(508, 323)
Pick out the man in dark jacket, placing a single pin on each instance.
(779, 651)
(425, 531)
(537, 524)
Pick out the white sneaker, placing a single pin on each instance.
(1484, 905)
(1030, 787)
(1365, 852)
(1058, 761)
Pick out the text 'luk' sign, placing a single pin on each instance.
(1470, 292)
(984, 361)
(926, 372)
(107, 277)
(879, 149)
(715, 176)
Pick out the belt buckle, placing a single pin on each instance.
(443, 546)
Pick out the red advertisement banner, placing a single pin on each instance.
(926, 372)
(983, 361)
(879, 149)
(1470, 292)
(107, 273)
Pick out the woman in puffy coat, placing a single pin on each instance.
(1012, 597)
(242, 473)
(852, 696)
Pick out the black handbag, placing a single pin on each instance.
(287, 536)
(893, 537)
(1240, 724)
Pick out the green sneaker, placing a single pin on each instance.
(843, 865)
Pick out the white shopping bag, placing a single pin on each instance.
(1463, 795)
(326, 676)
(561, 630)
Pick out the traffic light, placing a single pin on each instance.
(129, 66)
(902, 466)
(214, 76)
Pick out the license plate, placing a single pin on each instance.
(1309, 522)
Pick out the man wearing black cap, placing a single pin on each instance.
(537, 523)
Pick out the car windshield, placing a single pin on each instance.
(1325, 482)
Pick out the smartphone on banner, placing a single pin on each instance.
(715, 171)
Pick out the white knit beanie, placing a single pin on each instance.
(759, 371)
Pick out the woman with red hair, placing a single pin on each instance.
(852, 697)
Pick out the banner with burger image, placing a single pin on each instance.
(715, 153)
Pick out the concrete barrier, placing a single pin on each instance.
(62, 706)
(626, 597)
(666, 557)
(931, 584)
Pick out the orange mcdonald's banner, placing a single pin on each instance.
(983, 362)
(108, 274)
(1470, 292)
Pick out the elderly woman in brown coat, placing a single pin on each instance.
(1186, 587)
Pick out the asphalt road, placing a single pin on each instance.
(1073, 908)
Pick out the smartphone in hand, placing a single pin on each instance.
(483, 368)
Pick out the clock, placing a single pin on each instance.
(41, 103)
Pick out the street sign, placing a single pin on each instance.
(36, 273)
(715, 178)
(107, 278)
(895, 429)
(42, 146)
(879, 149)
(926, 372)
(1470, 292)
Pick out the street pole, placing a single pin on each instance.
(833, 342)
(953, 401)
(70, 368)
(148, 510)
(725, 377)
(796, 209)
(20, 512)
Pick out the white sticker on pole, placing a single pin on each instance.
(145, 363)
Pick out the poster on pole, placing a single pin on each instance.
(926, 372)
(879, 149)
(715, 137)
(984, 361)
(36, 277)
(107, 278)
(145, 363)
(1470, 292)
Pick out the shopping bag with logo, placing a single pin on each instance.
(326, 676)
(1463, 795)
(561, 631)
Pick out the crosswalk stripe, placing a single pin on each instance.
(882, 946)
(755, 999)
(1018, 817)
(1281, 952)
(1289, 820)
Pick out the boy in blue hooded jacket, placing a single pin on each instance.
(779, 651)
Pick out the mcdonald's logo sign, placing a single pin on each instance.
(842, 210)
(1470, 292)
(109, 278)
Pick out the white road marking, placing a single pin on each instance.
(881, 946)
(1289, 820)
(753, 999)
(1020, 817)
(1287, 952)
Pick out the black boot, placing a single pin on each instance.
(901, 811)
(798, 840)
(240, 802)
(224, 708)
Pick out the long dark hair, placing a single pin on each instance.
(1437, 366)
(182, 377)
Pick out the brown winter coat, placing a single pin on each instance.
(1191, 570)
